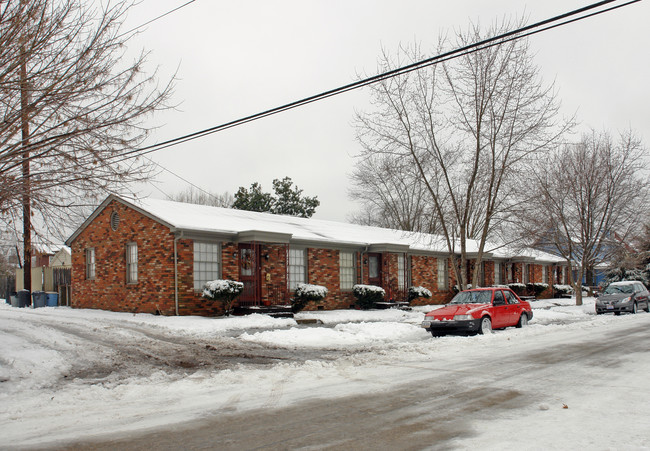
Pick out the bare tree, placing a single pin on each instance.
(397, 199)
(196, 196)
(465, 127)
(71, 102)
(588, 199)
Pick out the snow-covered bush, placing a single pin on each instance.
(517, 287)
(563, 289)
(536, 288)
(418, 292)
(224, 291)
(368, 295)
(307, 293)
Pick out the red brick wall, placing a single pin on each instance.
(323, 269)
(109, 290)
(488, 268)
(424, 273)
(154, 291)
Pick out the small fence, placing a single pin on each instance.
(57, 280)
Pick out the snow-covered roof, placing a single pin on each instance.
(240, 224)
(203, 218)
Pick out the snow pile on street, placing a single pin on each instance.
(59, 385)
(340, 336)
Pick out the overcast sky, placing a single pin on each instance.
(239, 58)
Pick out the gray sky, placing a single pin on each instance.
(239, 58)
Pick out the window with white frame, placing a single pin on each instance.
(90, 263)
(544, 274)
(346, 270)
(443, 275)
(497, 273)
(207, 263)
(297, 267)
(131, 263)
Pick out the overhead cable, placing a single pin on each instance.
(525, 31)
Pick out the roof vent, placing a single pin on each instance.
(115, 221)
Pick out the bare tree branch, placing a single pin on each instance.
(466, 128)
(87, 101)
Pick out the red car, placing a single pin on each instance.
(479, 311)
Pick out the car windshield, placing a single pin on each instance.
(616, 289)
(472, 297)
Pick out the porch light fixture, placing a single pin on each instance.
(234, 254)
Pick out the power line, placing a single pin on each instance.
(163, 193)
(60, 136)
(519, 33)
(181, 178)
(156, 18)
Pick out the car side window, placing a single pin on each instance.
(510, 298)
(498, 298)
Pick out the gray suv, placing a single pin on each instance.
(626, 296)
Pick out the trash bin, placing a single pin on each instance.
(24, 299)
(52, 299)
(10, 297)
(14, 300)
(39, 298)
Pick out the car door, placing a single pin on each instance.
(642, 295)
(515, 309)
(500, 311)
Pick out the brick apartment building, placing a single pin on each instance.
(155, 256)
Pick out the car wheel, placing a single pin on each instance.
(647, 306)
(486, 326)
(523, 321)
(436, 335)
(617, 313)
(634, 308)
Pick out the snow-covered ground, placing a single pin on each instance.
(68, 374)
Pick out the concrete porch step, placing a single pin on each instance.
(276, 311)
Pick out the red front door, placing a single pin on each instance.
(374, 269)
(249, 274)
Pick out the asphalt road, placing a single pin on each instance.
(443, 407)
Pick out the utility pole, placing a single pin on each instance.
(27, 198)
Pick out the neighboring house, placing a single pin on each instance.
(51, 270)
(61, 258)
(155, 256)
(595, 273)
(41, 258)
